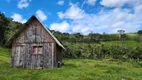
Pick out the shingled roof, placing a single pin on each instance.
(25, 26)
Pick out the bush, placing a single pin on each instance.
(118, 52)
(99, 51)
(140, 63)
(136, 53)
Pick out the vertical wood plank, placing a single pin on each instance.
(52, 55)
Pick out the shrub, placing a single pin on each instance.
(99, 51)
(140, 63)
(136, 53)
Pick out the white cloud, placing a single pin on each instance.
(17, 17)
(138, 9)
(113, 3)
(62, 27)
(91, 2)
(118, 24)
(120, 3)
(41, 15)
(80, 28)
(109, 21)
(23, 3)
(61, 2)
(74, 12)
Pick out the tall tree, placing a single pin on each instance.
(122, 36)
(4, 26)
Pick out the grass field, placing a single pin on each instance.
(132, 35)
(74, 69)
(126, 43)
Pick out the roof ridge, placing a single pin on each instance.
(56, 40)
(33, 16)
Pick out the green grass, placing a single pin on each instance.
(134, 35)
(126, 43)
(74, 69)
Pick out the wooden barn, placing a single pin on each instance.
(34, 46)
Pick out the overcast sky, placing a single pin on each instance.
(82, 16)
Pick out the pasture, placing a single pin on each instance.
(73, 69)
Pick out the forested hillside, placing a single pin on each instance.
(7, 28)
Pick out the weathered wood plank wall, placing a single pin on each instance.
(22, 48)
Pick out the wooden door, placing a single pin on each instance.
(37, 56)
(17, 56)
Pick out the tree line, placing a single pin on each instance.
(95, 37)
